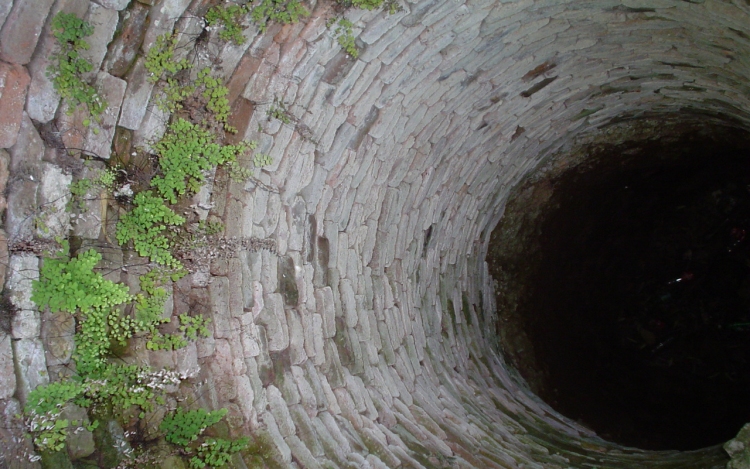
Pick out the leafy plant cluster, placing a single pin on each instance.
(277, 11)
(186, 152)
(216, 452)
(72, 285)
(215, 93)
(147, 225)
(160, 58)
(183, 428)
(279, 111)
(68, 66)
(122, 390)
(345, 36)
(161, 64)
(81, 189)
(173, 95)
(68, 284)
(228, 18)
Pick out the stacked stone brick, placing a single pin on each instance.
(365, 339)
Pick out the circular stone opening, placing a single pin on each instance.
(623, 289)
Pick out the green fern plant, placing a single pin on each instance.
(146, 225)
(278, 11)
(68, 65)
(216, 452)
(160, 58)
(228, 19)
(185, 152)
(172, 95)
(345, 36)
(184, 426)
(216, 94)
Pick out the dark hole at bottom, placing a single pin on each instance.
(634, 297)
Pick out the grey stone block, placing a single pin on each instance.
(30, 366)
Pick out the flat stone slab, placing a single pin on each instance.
(100, 134)
(26, 324)
(54, 195)
(104, 22)
(58, 330)
(31, 366)
(88, 223)
(22, 29)
(5, 6)
(8, 383)
(80, 441)
(14, 81)
(113, 4)
(22, 271)
(137, 96)
(42, 99)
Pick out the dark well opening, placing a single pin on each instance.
(623, 290)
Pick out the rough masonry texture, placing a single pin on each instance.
(367, 339)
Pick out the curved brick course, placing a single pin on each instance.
(365, 339)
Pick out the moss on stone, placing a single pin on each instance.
(55, 460)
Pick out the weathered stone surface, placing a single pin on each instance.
(8, 383)
(114, 4)
(162, 19)
(110, 434)
(285, 454)
(326, 308)
(22, 206)
(70, 120)
(54, 195)
(100, 134)
(280, 411)
(87, 223)
(186, 359)
(17, 450)
(14, 81)
(80, 441)
(27, 153)
(137, 95)
(222, 371)
(22, 29)
(22, 271)
(5, 6)
(246, 396)
(123, 49)
(273, 318)
(30, 366)
(301, 453)
(4, 174)
(42, 99)
(57, 332)
(26, 325)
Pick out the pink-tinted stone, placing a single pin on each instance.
(14, 80)
(22, 29)
(123, 50)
